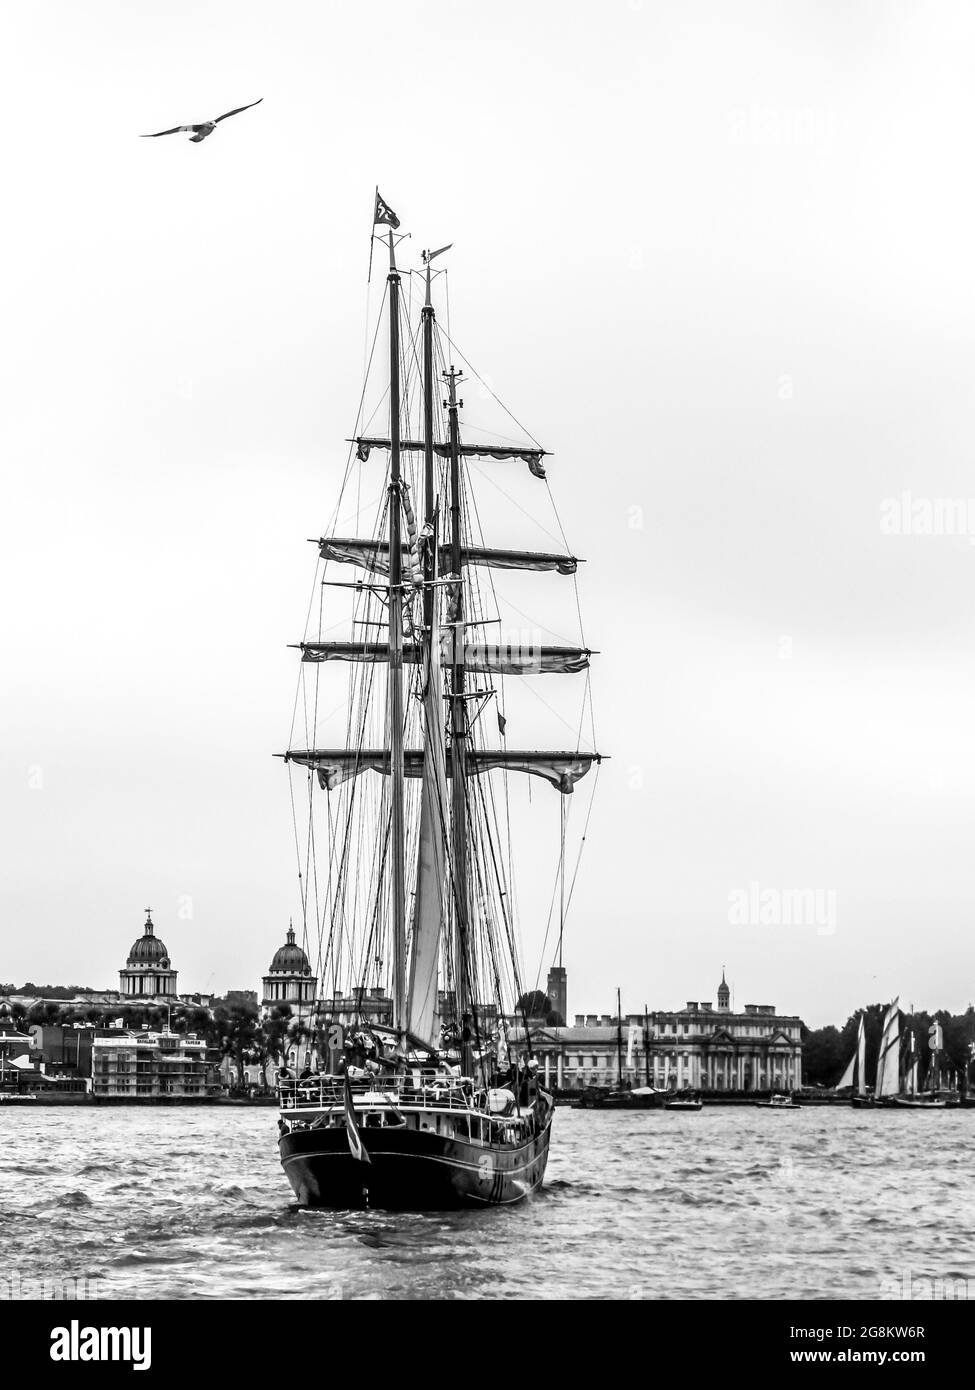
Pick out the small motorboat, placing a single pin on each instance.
(778, 1103)
(688, 1104)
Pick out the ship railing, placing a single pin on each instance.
(434, 1093)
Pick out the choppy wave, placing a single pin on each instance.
(726, 1203)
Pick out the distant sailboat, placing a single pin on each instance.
(932, 1097)
(888, 1081)
(855, 1077)
(897, 1085)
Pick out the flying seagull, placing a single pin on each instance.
(200, 132)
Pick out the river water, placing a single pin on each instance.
(730, 1202)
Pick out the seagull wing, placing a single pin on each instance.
(175, 131)
(237, 109)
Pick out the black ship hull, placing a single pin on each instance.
(410, 1170)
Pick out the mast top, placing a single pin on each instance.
(391, 240)
(427, 257)
(453, 378)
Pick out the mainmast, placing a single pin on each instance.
(458, 732)
(429, 497)
(397, 831)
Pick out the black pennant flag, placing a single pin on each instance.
(384, 213)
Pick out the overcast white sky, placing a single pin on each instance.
(717, 256)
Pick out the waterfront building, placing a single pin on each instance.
(701, 1047)
(128, 1065)
(148, 972)
(289, 981)
(64, 1046)
(18, 1057)
(360, 1007)
(202, 1000)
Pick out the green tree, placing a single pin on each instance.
(534, 1004)
(237, 1034)
(275, 1031)
(300, 1031)
(196, 1019)
(823, 1056)
(49, 1014)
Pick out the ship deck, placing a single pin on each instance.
(447, 1108)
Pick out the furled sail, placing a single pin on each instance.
(494, 658)
(337, 765)
(374, 556)
(524, 660)
(533, 457)
(367, 653)
(422, 1011)
(888, 1063)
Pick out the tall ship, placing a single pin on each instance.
(420, 1089)
(930, 1092)
(888, 1082)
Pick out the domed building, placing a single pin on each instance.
(148, 972)
(289, 980)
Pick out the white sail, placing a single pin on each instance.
(848, 1077)
(422, 1013)
(888, 1063)
(856, 1067)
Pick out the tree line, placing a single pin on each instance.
(826, 1051)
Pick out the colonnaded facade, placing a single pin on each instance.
(701, 1047)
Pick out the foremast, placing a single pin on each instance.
(395, 684)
